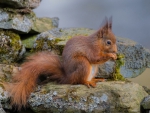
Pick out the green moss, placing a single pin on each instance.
(28, 40)
(46, 44)
(10, 45)
(14, 42)
(56, 39)
(39, 46)
(118, 63)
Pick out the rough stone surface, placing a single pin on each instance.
(11, 48)
(20, 3)
(109, 97)
(39, 25)
(146, 89)
(7, 71)
(4, 100)
(24, 23)
(2, 110)
(44, 24)
(137, 58)
(146, 102)
(106, 70)
(16, 21)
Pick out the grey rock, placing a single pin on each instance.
(6, 72)
(137, 58)
(4, 100)
(24, 23)
(2, 110)
(147, 89)
(43, 24)
(146, 102)
(20, 3)
(16, 21)
(109, 97)
(39, 25)
(106, 70)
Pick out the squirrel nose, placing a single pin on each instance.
(114, 49)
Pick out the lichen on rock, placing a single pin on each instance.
(55, 39)
(11, 48)
(114, 96)
(43, 24)
(136, 57)
(20, 23)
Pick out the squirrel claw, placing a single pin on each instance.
(93, 82)
(90, 84)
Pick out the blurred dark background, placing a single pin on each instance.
(131, 18)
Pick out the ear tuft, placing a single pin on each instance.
(110, 23)
(106, 25)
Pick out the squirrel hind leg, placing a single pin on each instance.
(77, 71)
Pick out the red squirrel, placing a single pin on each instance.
(79, 64)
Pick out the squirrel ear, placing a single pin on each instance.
(110, 23)
(106, 25)
(104, 29)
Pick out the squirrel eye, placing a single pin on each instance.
(108, 42)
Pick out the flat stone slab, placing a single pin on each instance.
(20, 3)
(16, 21)
(109, 96)
(115, 97)
(43, 24)
(24, 23)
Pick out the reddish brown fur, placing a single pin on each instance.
(25, 80)
(79, 56)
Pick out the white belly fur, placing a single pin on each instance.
(93, 72)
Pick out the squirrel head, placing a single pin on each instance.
(106, 38)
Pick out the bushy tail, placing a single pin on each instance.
(25, 80)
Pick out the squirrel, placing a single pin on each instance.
(79, 64)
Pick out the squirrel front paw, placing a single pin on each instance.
(113, 56)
